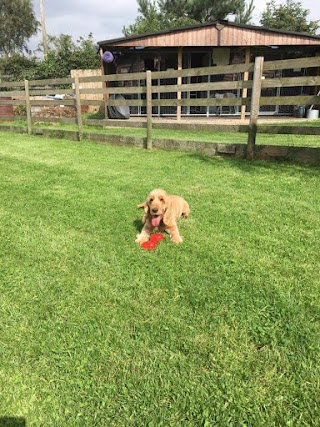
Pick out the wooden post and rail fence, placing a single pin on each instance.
(143, 90)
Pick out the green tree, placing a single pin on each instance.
(290, 16)
(212, 10)
(147, 21)
(244, 13)
(18, 24)
(18, 67)
(64, 55)
(157, 15)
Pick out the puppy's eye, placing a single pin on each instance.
(161, 199)
(151, 199)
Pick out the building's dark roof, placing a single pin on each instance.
(208, 24)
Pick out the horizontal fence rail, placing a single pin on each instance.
(147, 90)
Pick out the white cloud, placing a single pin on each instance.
(103, 18)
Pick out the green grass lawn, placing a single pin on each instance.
(222, 330)
(195, 135)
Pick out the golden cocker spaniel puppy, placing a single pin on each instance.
(162, 211)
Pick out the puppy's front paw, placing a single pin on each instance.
(176, 239)
(141, 238)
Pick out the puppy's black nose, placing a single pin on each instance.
(155, 210)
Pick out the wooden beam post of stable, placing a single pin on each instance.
(28, 107)
(179, 82)
(149, 109)
(104, 71)
(255, 106)
(78, 107)
(245, 78)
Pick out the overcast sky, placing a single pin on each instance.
(106, 18)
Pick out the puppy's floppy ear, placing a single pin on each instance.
(142, 205)
(169, 215)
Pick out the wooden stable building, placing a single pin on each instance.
(218, 43)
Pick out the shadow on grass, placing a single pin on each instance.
(138, 224)
(255, 166)
(12, 422)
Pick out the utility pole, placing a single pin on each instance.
(43, 30)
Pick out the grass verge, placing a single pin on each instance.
(202, 136)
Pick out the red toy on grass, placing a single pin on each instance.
(152, 244)
(149, 245)
(156, 237)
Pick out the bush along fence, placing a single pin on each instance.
(144, 90)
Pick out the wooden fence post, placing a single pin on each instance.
(28, 107)
(255, 106)
(78, 107)
(149, 109)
